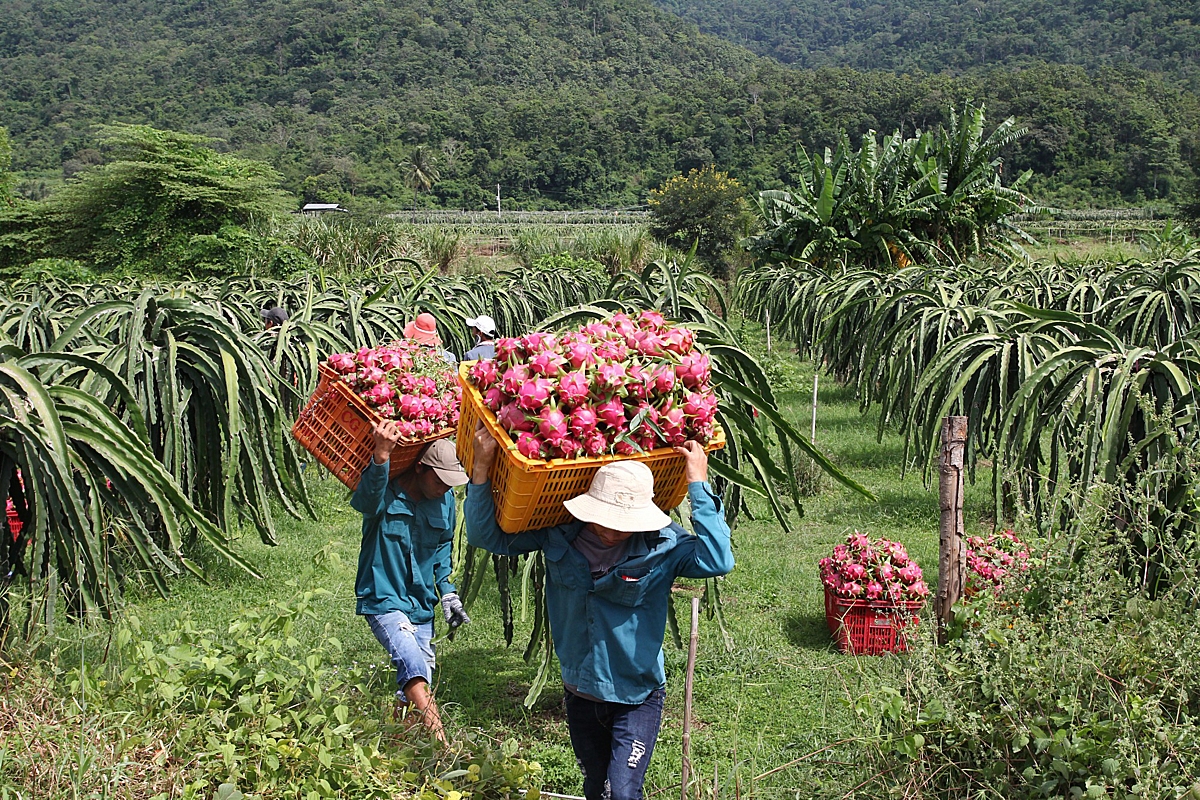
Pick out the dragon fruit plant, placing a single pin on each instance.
(862, 569)
(993, 559)
(404, 381)
(622, 385)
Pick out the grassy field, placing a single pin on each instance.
(776, 695)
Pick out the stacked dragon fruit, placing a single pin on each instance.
(862, 569)
(622, 385)
(404, 381)
(994, 559)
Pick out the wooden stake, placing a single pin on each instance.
(813, 437)
(768, 312)
(952, 551)
(687, 698)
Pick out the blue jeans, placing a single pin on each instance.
(409, 646)
(613, 743)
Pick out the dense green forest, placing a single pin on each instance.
(576, 103)
(956, 35)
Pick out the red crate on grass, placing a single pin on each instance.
(335, 427)
(14, 524)
(869, 627)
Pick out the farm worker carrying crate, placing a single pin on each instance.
(404, 563)
(423, 329)
(484, 328)
(609, 577)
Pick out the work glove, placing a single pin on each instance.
(452, 608)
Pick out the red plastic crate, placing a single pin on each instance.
(14, 524)
(869, 627)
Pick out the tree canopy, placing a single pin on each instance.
(161, 201)
(586, 103)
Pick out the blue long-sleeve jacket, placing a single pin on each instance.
(404, 563)
(608, 633)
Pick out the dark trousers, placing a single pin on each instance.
(613, 743)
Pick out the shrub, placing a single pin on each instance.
(195, 712)
(1071, 682)
(705, 209)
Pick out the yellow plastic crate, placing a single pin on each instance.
(529, 493)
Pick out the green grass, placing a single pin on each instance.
(777, 695)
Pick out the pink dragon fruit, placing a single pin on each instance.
(694, 370)
(509, 350)
(552, 425)
(680, 341)
(664, 379)
(530, 446)
(535, 393)
(388, 360)
(484, 373)
(342, 363)
(574, 387)
(493, 398)
(594, 443)
(379, 394)
(612, 350)
(369, 376)
(625, 447)
(638, 383)
(648, 344)
(612, 413)
(581, 354)
(610, 377)
(513, 379)
(513, 418)
(700, 407)
(582, 421)
(651, 320)
(538, 342)
(672, 423)
(546, 363)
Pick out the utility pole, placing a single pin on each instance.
(497, 200)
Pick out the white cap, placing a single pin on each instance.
(621, 497)
(484, 323)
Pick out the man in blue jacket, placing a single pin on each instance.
(609, 577)
(404, 562)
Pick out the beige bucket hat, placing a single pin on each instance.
(621, 497)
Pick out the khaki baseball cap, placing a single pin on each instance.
(441, 457)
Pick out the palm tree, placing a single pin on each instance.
(420, 172)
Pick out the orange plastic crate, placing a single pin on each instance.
(335, 427)
(869, 627)
(529, 493)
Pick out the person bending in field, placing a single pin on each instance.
(404, 561)
(609, 576)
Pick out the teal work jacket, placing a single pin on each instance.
(404, 562)
(608, 633)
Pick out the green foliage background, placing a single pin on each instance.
(937, 36)
(586, 103)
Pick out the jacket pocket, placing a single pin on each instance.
(628, 587)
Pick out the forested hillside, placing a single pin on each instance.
(579, 103)
(940, 35)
